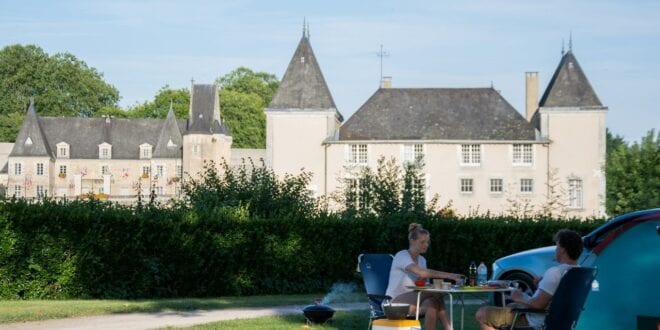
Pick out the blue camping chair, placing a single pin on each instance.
(567, 302)
(375, 269)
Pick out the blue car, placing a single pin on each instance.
(626, 252)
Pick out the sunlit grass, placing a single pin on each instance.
(33, 310)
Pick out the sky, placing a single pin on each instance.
(141, 46)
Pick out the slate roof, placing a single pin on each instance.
(205, 110)
(170, 141)
(125, 135)
(569, 86)
(436, 114)
(303, 85)
(33, 130)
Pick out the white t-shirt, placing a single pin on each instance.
(549, 284)
(399, 277)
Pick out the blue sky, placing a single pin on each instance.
(140, 46)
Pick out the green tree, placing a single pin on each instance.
(633, 174)
(243, 96)
(61, 85)
(158, 108)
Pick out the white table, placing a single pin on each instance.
(461, 292)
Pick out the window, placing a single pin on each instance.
(195, 150)
(105, 170)
(356, 194)
(17, 191)
(62, 170)
(526, 185)
(145, 151)
(158, 190)
(160, 170)
(179, 171)
(40, 191)
(105, 150)
(522, 154)
(40, 168)
(413, 153)
(496, 185)
(62, 150)
(575, 192)
(18, 168)
(470, 154)
(146, 171)
(467, 185)
(357, 153)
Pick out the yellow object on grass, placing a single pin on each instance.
(385, 324)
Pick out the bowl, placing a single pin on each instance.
(420, 283)
(396, 311)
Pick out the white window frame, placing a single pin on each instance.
(522, 154)
(146, 169)
(63, 150)
(493, 183)
(466, 185)
(412, 153)
(158, 190)
(160, 170)
(40, 169)
(179, 171)
(105, 169)
(18, 168)
(145, 151)
(62, 170)
(357, 154)
(470, 154)
(40, 191)
(575, 193)
(18, 191)
(526, 185)
(105, 151)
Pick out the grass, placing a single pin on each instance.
(34, 310)
(357, 319)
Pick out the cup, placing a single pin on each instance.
(437, 283)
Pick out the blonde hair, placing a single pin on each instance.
(415, 230)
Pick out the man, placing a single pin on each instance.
(567, 251)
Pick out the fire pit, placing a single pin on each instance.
(317, 312)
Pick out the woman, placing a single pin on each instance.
(409, 266)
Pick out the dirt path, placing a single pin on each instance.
(135, 321)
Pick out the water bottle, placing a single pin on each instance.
(482, 274)
(472, 274)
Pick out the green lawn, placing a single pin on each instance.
(342, 320)
(33, 310)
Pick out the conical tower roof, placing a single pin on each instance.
(303, 85)
(31, 140)
(569, 86)
(170, 140)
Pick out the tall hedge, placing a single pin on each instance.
(91, 249)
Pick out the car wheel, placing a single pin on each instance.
(525, 284)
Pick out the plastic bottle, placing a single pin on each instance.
(482, 274)
(472, 274)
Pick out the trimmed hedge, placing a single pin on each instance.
(92, 249)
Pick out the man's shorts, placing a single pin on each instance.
(497, 317)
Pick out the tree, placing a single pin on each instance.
(243, 96)
(633, 174)
(61, 85)
(158, 108)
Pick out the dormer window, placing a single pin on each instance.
(145, 151)
(28, 141)
(105, 150)
(171, 144)
(63, 150)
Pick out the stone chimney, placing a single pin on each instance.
(386, 82)
(531, 94)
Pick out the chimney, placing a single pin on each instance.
(386, 82)
(531, 94)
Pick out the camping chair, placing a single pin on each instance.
(567, 302)
(375, 269)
